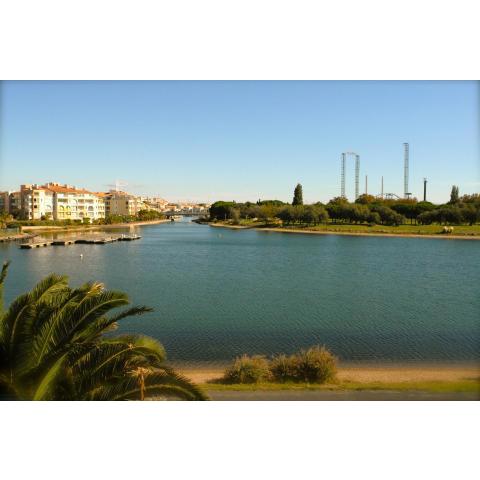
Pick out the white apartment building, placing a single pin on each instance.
(71, 203)
(37, 202)
(66, 202)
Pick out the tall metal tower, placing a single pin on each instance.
(405, 170)
(424, 189)
(366, 184)
(382, 187)
(357, 173)
(342, 180)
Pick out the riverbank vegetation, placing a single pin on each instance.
(317, 369)
(366, 214)
(54, 346)
(467, 385)
(7, 221)
(313, 365)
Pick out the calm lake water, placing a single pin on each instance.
(218, 293)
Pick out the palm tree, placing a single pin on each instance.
(53, 347)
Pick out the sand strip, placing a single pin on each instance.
(366, 373)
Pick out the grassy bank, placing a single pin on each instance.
(433, 378)
(460, 231)
(458, 386)
(13, 237)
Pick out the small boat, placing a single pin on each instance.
(174, 218)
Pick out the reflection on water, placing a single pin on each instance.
(218, 293)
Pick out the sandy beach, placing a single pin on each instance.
(366, 373)
(367, 382)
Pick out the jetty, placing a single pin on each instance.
(94, 240)
(36, 244)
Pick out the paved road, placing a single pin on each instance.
(336, 395)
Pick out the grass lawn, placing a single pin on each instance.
(406, 229)
(435, 386)
(401, 229)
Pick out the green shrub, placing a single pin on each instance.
(315, 365)
(284, 368)
(247, 369)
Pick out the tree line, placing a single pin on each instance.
(367, 209)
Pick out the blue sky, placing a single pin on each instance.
(203, 141)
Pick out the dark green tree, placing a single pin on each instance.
(221, 210)
(310, 215)
(454, 195)
(321, 213)
(365, 199)
(470, 214)
(298, 213)
(298, 195)
(286, 214)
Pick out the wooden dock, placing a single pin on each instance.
(63, 242)
(96, 240)
(36, 244)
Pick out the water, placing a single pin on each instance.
(218, 293)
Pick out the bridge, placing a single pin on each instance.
(185, 214)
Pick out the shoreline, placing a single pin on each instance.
(39, 229)
(460, 382)
(352, 234)
(368, 372)
(16, 237)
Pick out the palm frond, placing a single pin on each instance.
(3, 275)
(157, 382)
(49, 383)
(22, 310)
(4, 271)
(84, 306)
(111, 359)
(146, 345)
(105, 324)
(95, 307)
(52, 346)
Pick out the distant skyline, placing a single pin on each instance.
(207, 141)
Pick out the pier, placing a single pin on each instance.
(35, 244)
(82, 240)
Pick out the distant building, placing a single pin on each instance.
(172, 207)
(4, 202)
(56, 202)
(123, 203)
(36, 202)
(66, 202)
(15, 202)
(156, 203)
